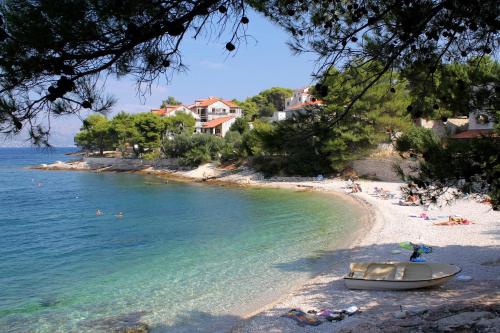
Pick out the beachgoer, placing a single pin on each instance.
(98, 212)
(119, 215)
(411, 200)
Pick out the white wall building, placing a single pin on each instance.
(219, 126)
(478, 121)
(215, 107)
(213, 115)
(172, 110)
(296, 104)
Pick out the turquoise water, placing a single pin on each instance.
(183, 258)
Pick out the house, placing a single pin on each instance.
(443, 128)
(480, 125)
(298, 103)
(213, 115)
(218, 126)
(172, 110)
(473, 126)
(214, 107)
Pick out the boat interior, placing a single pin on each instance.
(399, 271)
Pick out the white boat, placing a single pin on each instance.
(398, 275)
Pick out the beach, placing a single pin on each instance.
(474, 247)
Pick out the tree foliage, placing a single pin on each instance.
(170, 101)
(392, 35)
(265, 103)
(124, 131)
(94, 133)
(55, 55)
(455, 89)
(311, 142)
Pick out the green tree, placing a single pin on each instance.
(170, 101)
(179, 123)
(380, 111)
(122, 132)
(455, 88)
(324, 139)
(240, 125)
(94, 134)
(150, 128)
(265, 103)
(276, 97)
(249, 108)
(453, 168)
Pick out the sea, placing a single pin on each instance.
(169, 256)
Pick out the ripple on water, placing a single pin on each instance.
(183, 256)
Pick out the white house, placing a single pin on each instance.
(296, 104)
(480, 125)
(215, 107)
(300, 96)
(172, 110)
(219, 126)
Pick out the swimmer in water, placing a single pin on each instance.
(98, 212)
(119, 215)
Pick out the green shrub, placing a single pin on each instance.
(418, 140)
(196, 156)
(152, 155)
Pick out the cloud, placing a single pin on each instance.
(211, 64)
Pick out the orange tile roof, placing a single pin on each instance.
(211, 100)
(302, 105)
(216, 122)
(166, 110)
(473, 134)
(160, 112)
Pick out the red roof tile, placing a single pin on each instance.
(302, 105)
(216, 122)
(211, 100)
(472, 134)
(166, 110)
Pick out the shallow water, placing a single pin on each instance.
(184, 257)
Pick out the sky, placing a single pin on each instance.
(265, 61)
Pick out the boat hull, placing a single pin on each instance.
(399, 275)
(394, 285)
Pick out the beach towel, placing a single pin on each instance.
(302, 318)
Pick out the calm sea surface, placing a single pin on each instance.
(184, 258)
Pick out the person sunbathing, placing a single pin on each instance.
(356, 188)
(455, 221)
(411, 200)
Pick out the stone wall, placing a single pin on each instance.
(382, 169)
(130, 163)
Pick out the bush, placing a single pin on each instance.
(196, 156)
(195, 149)
(240, 125)
(178, 146)
(418, 140)
(152, 155)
